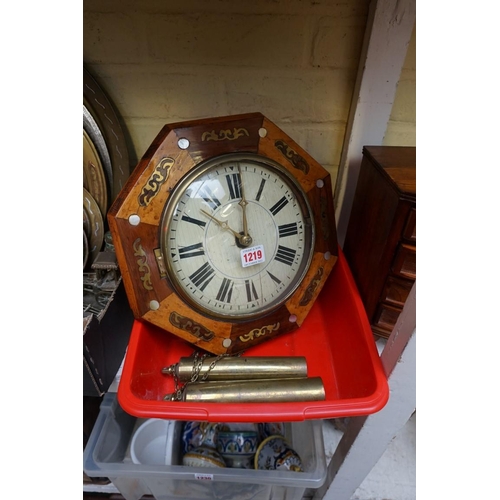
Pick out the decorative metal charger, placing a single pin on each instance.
(94, 179)
(96, 224)
(85, 248)
(94, 132)
(108, 124)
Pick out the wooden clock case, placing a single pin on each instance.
(135, 218)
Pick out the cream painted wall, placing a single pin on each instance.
(295, 61)
(401, 129)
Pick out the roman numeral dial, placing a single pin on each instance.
(234, 185)
(288, 229)
(251, 291)
(202, 276)
(225, 291)
(285, 255)
(237, 237)
(191, 251)
(276, 208)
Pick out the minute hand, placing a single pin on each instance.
(246, 239)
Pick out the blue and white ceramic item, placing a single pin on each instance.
(238, 447)
(274, 453)
(203, 456)
(196, 434)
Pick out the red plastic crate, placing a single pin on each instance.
(335, 338)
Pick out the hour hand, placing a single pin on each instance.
(243, 240)
(222, 224)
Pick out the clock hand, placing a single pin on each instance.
(246, 239)
(222, 224)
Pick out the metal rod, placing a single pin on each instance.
(243, 368)
(256, 391)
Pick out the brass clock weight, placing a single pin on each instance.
(225, 235)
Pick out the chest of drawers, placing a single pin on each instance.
(381, 238)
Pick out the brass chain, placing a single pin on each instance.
(197, 365)
(198, 360)
(178, 390)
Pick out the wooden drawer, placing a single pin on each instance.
(385, 317)
(410, 230)
(396, 291)
(405, 262)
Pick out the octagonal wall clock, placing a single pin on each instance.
(225, 232)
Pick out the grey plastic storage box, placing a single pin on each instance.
(107, 455)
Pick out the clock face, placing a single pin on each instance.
(237, 236)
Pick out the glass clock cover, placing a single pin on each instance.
(237, 236)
